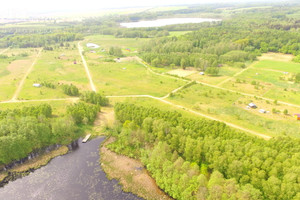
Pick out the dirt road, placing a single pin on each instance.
(17, 92)
(80, 49)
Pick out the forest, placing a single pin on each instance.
(23, 130)
(192, 158)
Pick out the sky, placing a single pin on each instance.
(14, 8)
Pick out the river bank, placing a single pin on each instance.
(30, 165)
(130, 173)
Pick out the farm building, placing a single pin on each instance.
(37, 85)
(201, 73)
(262, 111)
(297, 116)
(252, 105)
(92, 45)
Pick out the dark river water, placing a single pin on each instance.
(74, 176)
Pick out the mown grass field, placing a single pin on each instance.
(56, 67)
(13, 68)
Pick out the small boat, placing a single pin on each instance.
(86, 138)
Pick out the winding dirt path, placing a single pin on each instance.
(80, 49)
(266, 137)
(16, 94)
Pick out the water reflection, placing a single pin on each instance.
(76, 175)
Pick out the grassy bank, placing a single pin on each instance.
(35, 163)
(131, 173)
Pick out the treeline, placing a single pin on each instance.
(38, 40)
(232, 41)
(203, 159)
(94, 98)
(29, 128)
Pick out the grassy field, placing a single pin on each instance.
(107, 41)
(58, 68)
(13, 68)
(129, 78)
(57, 106)
(231, 107)
(224, 73)
(271, 79)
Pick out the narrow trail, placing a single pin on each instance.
(4, 50)
(162, 99)
(80, 49)
(17, 92)
(236, 74)
(218, 87)
(266, 137)
(176, 90)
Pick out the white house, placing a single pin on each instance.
(92, 45)
(37, 85)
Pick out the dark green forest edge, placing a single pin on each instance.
(30, 128)
(203, 159)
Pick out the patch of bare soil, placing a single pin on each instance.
(182, 72)
(276, 57)
(105, 118)
(131, 174)
(18, 65)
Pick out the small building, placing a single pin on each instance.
(297, 116)
(262, 111)
(93, 51)
(92, 45)
(201, 73)
(252, 105)
(37, 85)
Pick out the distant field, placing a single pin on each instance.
(107, 41)
(268, 78)
(231, 107)
(56, 67)
(225, 73)
(58, 107)
(12, 70)
(129, 78)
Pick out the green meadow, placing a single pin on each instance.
(130, 78)
(57, 67)
(231, 107)
(12, 69)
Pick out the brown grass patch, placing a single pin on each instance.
(40, 160)
(182, 72)
(131, 174)
(276, 57)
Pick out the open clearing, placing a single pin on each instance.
(130, 78)
(181, 72)
(61, 66)
(13, 69)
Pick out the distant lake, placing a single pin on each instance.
(165, 22)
